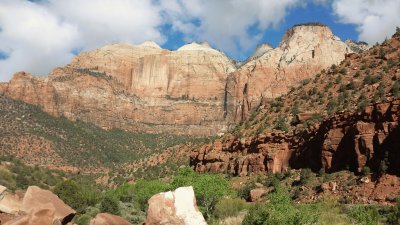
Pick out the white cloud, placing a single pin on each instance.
(34, 39)
(225, 23)
(375, 19)
(40, 36)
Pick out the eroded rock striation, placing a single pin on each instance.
(194, 90)
(303, 52)
(345, 140)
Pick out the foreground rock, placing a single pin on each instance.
(10, 203)
(42, 207)
(108, 219)
(178, 208)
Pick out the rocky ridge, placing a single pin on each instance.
(149, 89)
(347, 117)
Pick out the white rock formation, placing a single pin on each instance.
(178, 208)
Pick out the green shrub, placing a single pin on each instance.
(305, 175)
(83, 219)
(365, 215)
(110, 205)
(144, 189)
(280, 211)
(365, 170)
(227, 207)
(280, 124)
(208, 188)
(396, 89)
(394, 216)
(70, 193)
(331, 106)
(368, 80)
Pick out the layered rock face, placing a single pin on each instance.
(343, 141)
(366, 139)
(304, 51)
(141, 88)
(269, 153)
(194, 90)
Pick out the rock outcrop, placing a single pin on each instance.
(345, 140)
(303, 52)
(10, 203)
(178, 208)
(357, 46)
(108, 219)
(364, 139)
(194, 90)
(40, 207)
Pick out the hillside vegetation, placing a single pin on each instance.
(361, 79)
(39, 139)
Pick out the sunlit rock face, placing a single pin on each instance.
(194, 90)
(304, 51)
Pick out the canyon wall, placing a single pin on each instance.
(344, 141)
(194, 90)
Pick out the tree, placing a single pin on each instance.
(70, 193)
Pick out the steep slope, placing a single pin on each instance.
(304, 50)
(346, 117)
(36, 138)
(194, 90)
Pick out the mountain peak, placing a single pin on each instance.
(198, 46)
(150, 44)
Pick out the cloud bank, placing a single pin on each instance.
(375, 19)
(36, 36)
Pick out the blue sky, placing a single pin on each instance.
(39, 35)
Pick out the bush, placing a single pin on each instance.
(365, 215)
(368, 80)
(110, 205)
(365, 170)
(394, 216)
(70, 193)
(331, 106)
(145, 189)
(396, 89)
(280, 124)
(208, 188)
(227, 207)
(280, 211)
(305, 175)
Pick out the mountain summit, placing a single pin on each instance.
(194, 90)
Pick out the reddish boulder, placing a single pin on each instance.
(36, 197)
(257, 193)
(108, 219)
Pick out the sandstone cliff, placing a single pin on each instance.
(344, 141)
(346, 117)
(194, 90)
(303, 52)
